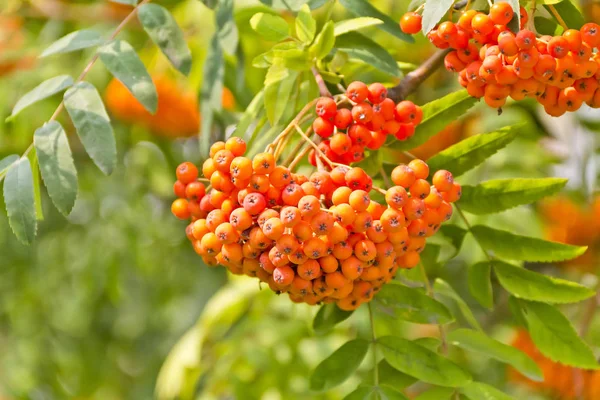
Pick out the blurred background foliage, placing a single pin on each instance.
(94, 307)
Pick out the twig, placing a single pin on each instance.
(299, 157)
(414, 78)
(385, 178)
(321, 83)
(317, 149)
(558, 17)
(374, 336)
(89, 66)
(430, 294)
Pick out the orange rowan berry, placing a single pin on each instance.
(558, 47)
(358, 179)
(263, 163)
(179, 188)
(365, 250)
(344, 214)
(210, 243)
(254, 203)
(323, 127)
(215, 147)
(453, 194)
(290, 216)
(482, 24)
(302, 231)
(309, 270)
(322, 223)
(308, 206)
(420, 189)
(283, 276)
(187, 172)
(236, 145)
(443, 180)
(208, 168)
(501, 13)
(342, 250)
(357, 92)
(326, 107)
(258, 239)
(362, 221)
(403, 176)
(273, 228)
(409, 260)
(376, 233)
(590, 34)
(396, 197)
(199, 228)
(259, 183)
(240, 219)
(340, 143)
(241, 168)
(287, 244)
(371, 274)
(525, 39)
(445, 210)
(195, 191)
(393, 220)
(410, 23)
(359, 200)
(226, 233)
(315, 248)
(351, 268)
(413, 209)
(343, 118)
(338, 233)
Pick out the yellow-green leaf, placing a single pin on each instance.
(19, 200)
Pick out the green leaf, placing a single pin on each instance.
(74, 41)
(362, 48)
(411, 304)
(381, 392)
(436, 393)
(250, 115)
(210, 3)
(123, 62)
(569, 13)
(328, 316)
(363, 8)
(85, 107)
(167, 35)
(390, 376)
(126, 2)
(306, 25)
(323, 43)
(56, 165)
(6, 162)
(354, 24)
(555, 337)
(44, 90)
(482, 391)
(211, 93)
(437, 114)
(422, 363)
(442, 287)
(338, 367)
(530, 285)
(479, 342)
(433, 12)
(19, 200)
(288, 5)
(456, 234)
(226, 28)
(480, 283)
(523, 248)
(502, 194)
(279, 84)
(471, 152)
(271, 27)
(37, 192)
(545, 26)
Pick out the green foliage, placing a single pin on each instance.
(85, 107)
(471, 152)
(530, 285)
(44, 90)
(18, 196)
(555, 337)
(480, 283)
(354, 24)
(336, 368)
(323, 43)
(357, 46)
(363, 8)
(279, 85)
(424, 364)
(443, 288)
(164, 31)
(436, 393)
(328, 316)
(306, 25)
(211, 94)
(480, 343)
(502, 194)
(383, 392)
(271, 27)
(516, 247)
(56, 165)
(479, 390)
(568, 12)
(433, 12)
(74, 41)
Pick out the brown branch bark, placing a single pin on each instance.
(414, 78)
(323, 91)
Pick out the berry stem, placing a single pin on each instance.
(320, 82)
(414, 78)
(385, 178)
(292, 160)
(314, 145)
(288, 129)
(429, 290)
(558, 17)
(373, 346)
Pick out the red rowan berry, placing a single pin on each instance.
(323, 127)
(443, 180)
(558, 47)
(590, 34)
(187, 172)
(357, 92)
(326, 107)
(179, 188)
(254, 203)
(357, 178)
(410, 23)
(343, 118)
(377, 93)
(501, 13)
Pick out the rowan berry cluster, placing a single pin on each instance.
(319, 238)
(366, 124)
(493, 63)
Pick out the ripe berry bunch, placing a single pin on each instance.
(561, 72)
(319, 238)
(366, 124)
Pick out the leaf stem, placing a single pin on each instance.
(374, 346)
(556, 15)
(429, 290)
(320, 82)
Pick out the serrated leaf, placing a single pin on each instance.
(479, 342)
(271, 27)
(167, 35)
(362, 48)
(502, 194)
(354, 24)
(6, 162)
(530, 285)
(306, 25)
(56, 165)
(436, 393)
(523, 248)
(422, 363)
(74, 41)
(443, 288)
(381, 392)
(328, 316)
(19, 200)
(569, 13)
(480, 283)
(390, 376)
(85, 107)
(278, 89)
(437, 114)
(44, 90)
(37, 191)
(471, 152)
(211, 94)
(410, 304)
(363, 8)
(323, 43)
(226, 28)
(338, 367)
(482, 391)
(456, 235)
(555, 337)
(433, 12)
(123, 62)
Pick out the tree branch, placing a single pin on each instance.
(323, 91)
(413, 79)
